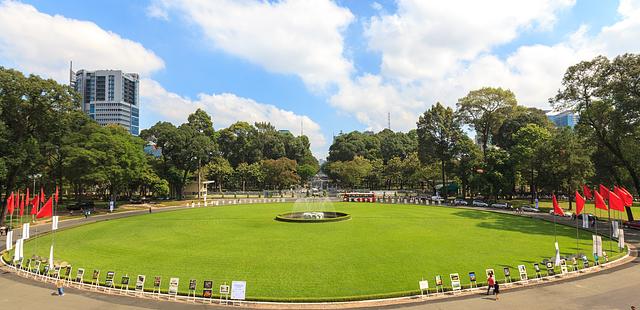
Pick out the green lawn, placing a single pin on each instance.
(383, 250)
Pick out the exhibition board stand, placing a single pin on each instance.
(140, 284)
(124, 284)
(67, 276)
(157, 280)
(173, 287)
(424, 287)
(37, 269)
(472, 279)
(524, 277)
(238, 292)
(455, 282)
(224, 294)
(207, 290)
(439, 284)
(192, 289)
(507, 274)
(108, 281)
(94, 279)
(79, 275)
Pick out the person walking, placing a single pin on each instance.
(60, 287)
(490, 282)
(496, 290)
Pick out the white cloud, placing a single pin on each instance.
(430, 39)
(303, 38)
(430, 56)
(226, 109)
(44, 44)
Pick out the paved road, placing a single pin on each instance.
(616, 288)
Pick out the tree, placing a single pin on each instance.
(349, 174)
(468, 159)
(33, 117)
(280, 173)
(238, 145)
(219, 169)
(438, 133)
(564, 161)
(519, 117)
(306, 172)
(201, 122)
(346, 147)
(499, 174)
(606, 94)
(184, 149)
(396, 144)
(246, 173)
(528, 142)
(484, 110)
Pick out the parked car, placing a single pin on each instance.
(589, 216)
(529, 209)
(437, 198)
(631, 224)
(460, 202)
(501, 205)
(477, 203)
(81, 205)
(566, 214)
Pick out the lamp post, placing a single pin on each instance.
(34, 177)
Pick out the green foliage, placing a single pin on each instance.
(485, 110)
(605, 93)
(438, 133)
(280, 173)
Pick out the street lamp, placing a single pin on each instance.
(34, 177)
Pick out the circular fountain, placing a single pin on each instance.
(313, 210)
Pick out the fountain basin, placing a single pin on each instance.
(313, 217)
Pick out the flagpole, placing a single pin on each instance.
(610, 228)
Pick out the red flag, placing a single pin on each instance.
(21, 201)
(615, 202)
(604, 192)
(587, 192)
(556, 208)
(579, 203)
(41, 195)
(628, 198)
(600, 201)
(56, 194)
(34, 206)
(35, 201)
(10, 204)
(27, 197)
(47, 209)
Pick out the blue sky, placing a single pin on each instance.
(332, 66)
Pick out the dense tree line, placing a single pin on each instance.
(44, 137)
(517, 150)
(241, 156)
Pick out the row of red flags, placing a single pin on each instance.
(618, 199)
(18, 201)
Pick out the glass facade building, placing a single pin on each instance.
(110, 97)
(564, 119)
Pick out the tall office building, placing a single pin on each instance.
(563, 119)
(110, 97)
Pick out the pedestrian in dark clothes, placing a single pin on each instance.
(496, 290)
